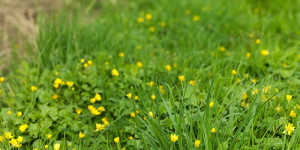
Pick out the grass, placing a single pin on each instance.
(239, 61)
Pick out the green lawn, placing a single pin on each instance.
(218, 74)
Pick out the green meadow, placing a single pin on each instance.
(169, 74)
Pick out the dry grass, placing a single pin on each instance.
(18, 26)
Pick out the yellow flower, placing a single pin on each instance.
(153, 97)
(264, 52)
(151, 113)
(85, 65)
(82, 60)
(105, 121)
(192, 82)
(121, 54)
(197, 143)
(1, 138)
(140, 20)
(56, 146)
(132, 114)
(78, 111)
(81, 135)
(93, 100)
(56, 85)
(129, 95)
(101, 109)
(9, 112)
(98, 97)
(174, 137)
(115, 72)
(33, 88)
(54, 96)
(254, 80)
(289, 129)
(213, 130)
(70, 83)
(181, 78)
(90, 107)
(19, 114)
(48, 136)
(2, 79)
(196, 18)
(8, 135)
(90, 62)
(13, 142)
(234, 72)
(136, 98)
(244, 96)
(222, 48)
(187, 11)
(248, 55)
(211, 104)
(23, 127)
(151, 83)
(58, 81)
(278, 109)
(168, 67)
(130, 138)
(148, 16)
(288, 97)
(117, 140)
(100, 127)
(293, 114)
(163, 24)
(20, 139)
(95, 112)
(152, 29)
(46, 146)
(139, 64)
(257, 41)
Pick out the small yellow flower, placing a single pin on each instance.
(9, 112)
(19, 114)
(132, 114)
(192, 82)
(81, 135)
(289, 129)
(153, 97)
(136, 98)
(82, 60)
(93, 100)
(85, 65)
(293, 114)
(140, 20)
(90, 63)
(70, 83)
(288, 97)
(139, 64)
(33, 88)
(163, 24)
(130, 138)
(168, 67)
(90, 107)
(222, 48)
(20, 139)
(151, 114)
(56, 85)
(254, 80)
(115, 72)
(117, 140)
(8, 135)
(151, 83)
(98, 97)
(58, 81)
(197, 143)
(257, 41)
(78, 111)
(264, 52)
(48, 136)
(100, 127)
(278, 109)
(211, 104)
(129, 95)
(234, 72)
(54, 96)
(152, 29)
(56, 146)
(2, 79)
(95, 111)
(196, 18)
(148, 16)
(23, 127)
(46, 146)
(101, 109)
(181, 78)
(174, 137)
(213, 130)
(248, 55)
(121, 54)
